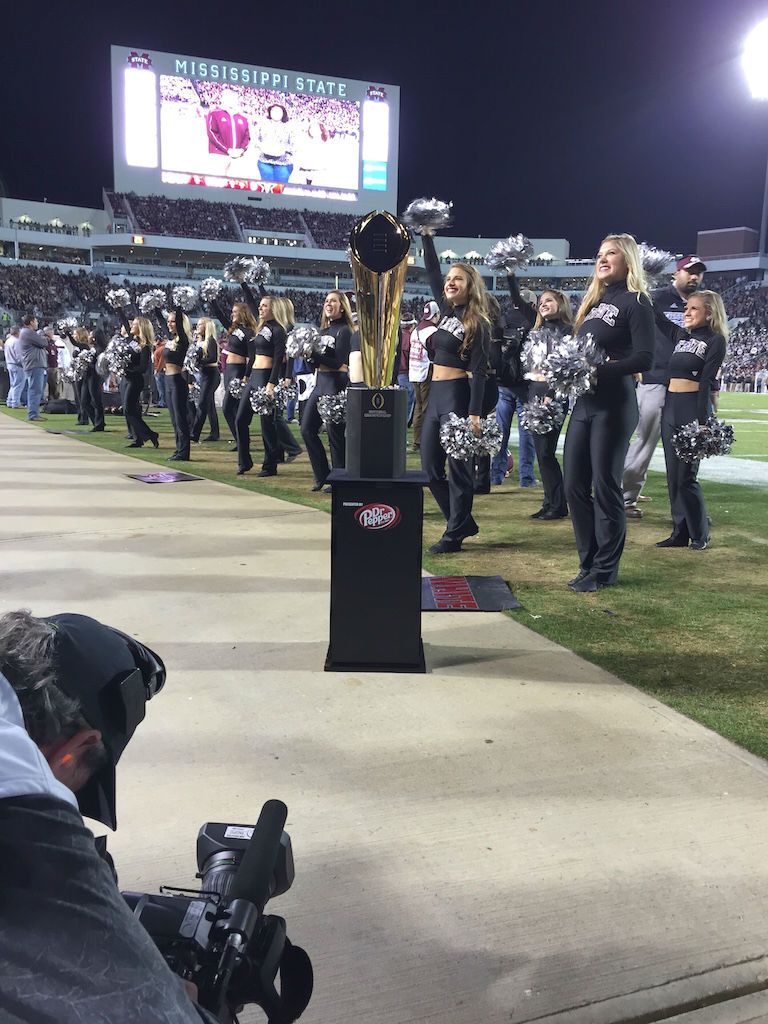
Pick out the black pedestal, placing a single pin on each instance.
(377, 421)
(376, 543)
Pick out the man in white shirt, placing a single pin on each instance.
(420, 366)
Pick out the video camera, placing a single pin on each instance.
(219, 938)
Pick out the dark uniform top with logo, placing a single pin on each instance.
(669, 302)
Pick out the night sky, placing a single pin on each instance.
(555, 119)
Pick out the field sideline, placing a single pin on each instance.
(687, 627)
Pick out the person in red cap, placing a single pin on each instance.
(652, 388)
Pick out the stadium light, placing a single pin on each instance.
(755, 62)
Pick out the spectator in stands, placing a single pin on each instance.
(33, 347)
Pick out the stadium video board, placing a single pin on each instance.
(189, 126)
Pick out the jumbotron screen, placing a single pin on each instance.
(185, 126)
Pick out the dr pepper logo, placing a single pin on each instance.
(377, 516)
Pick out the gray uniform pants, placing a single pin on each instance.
(650, 402)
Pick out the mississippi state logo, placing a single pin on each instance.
(139, 60)
(377, 516)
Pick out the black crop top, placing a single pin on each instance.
(210, 352)
(621, 322)
(139, 362)
(240, 343)
(448, 337)
(176, 348)
(338, 356)
(697, 356)
(270, 341)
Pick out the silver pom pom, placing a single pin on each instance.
(540, 417)
(285, 393)
(155, 298)
(102, 364)
(301, 342)
(236, 388)
(571, 366)
(426, 216)
(194, 392)
(251, 269)
(513, 253)
(536, 348)
(184, 295)
(119, 355)
(193, 359)
(654, 261)
(67, 324)
(210, 288)
(457, 438)
(262, 402)
(489, 442)
(118, 298)
(695, 441)
(332, 408)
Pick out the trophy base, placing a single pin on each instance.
(331, 665)
(377, 423)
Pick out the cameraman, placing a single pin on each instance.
(72, 692)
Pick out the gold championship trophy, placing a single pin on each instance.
(377, 413)
(378, 505)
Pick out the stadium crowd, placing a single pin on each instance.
(184, 218)
(25, 224)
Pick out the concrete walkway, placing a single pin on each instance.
(516, 836)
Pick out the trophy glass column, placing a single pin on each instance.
(378, 505)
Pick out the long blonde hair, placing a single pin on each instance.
(346, 310)
(209, 330)
(636, 281)
(146, 334)
(477, 311)
(279, 310)
(564, 311)
(718, 318)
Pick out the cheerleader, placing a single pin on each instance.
(177, 389)
(554, 314)
(135, 375)
(698, 354)
(289, 449)
(210, 378)
(240, 356)
(91, 384)
(482, 463)
(617, 312)
(269, 351)
(81, 340)
(331, 377)
(461, 346)
(125, 332)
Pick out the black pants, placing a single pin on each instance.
(259, 379)
(91, 402)
(689, 513)
(232, 371)
(210, 378)
(177, 396)
(454, 495)
(285, 439)
(137, 428)
(311, 423)
(596, 446)
(85, 413)
(546, 455)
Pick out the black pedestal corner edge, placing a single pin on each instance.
(341, 666)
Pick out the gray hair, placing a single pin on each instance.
(28, 661)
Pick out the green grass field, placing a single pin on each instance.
(687, 627)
